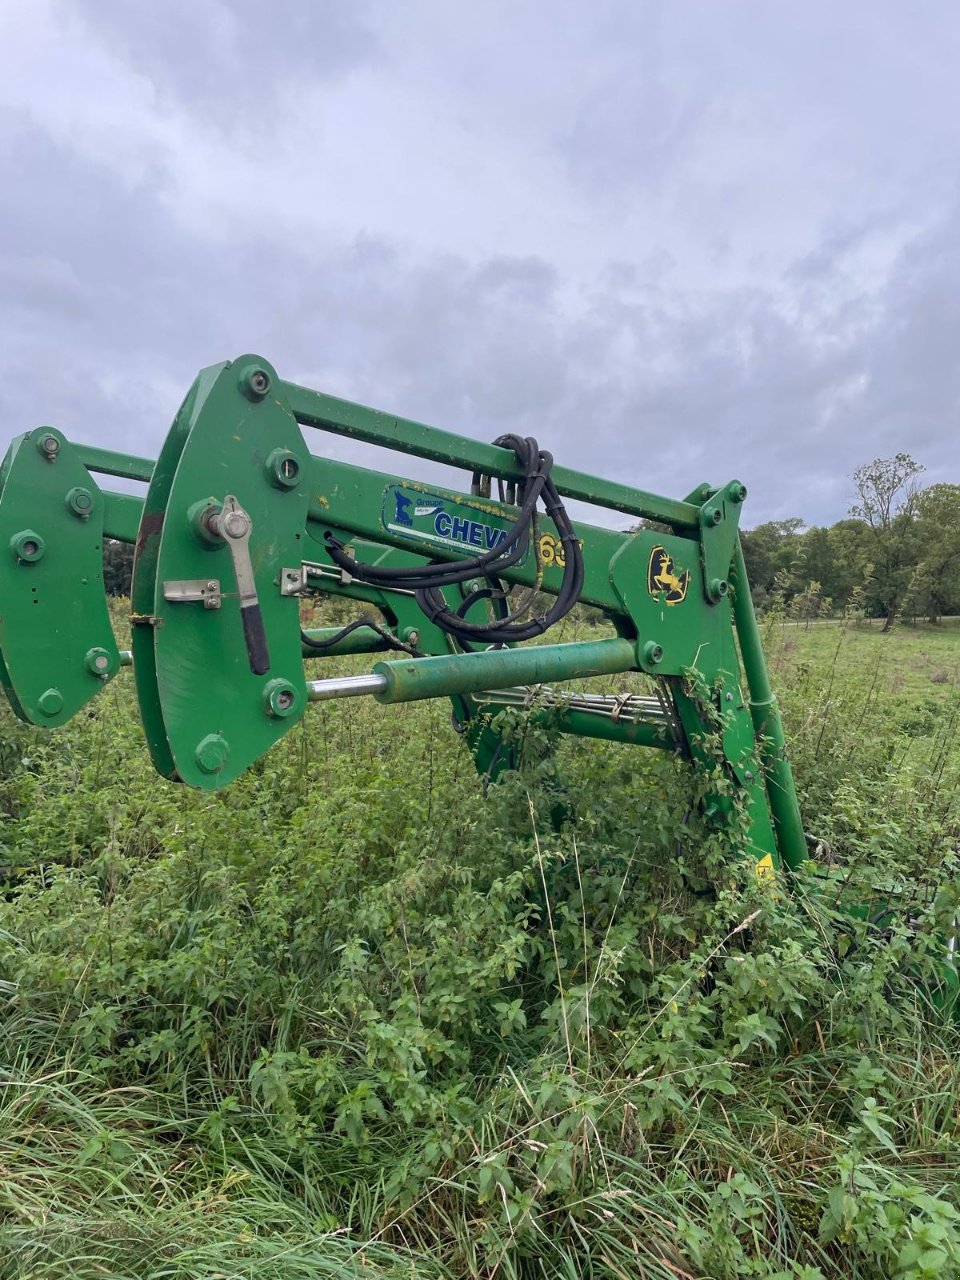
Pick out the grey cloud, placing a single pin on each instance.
(912, 391)
(230, 61)
(633, 120)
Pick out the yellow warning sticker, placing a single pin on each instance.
(765, 865)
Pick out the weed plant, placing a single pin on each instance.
(350, 1017)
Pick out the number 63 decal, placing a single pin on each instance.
(551, 550)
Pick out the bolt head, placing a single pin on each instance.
(27, 546)
(235, 524)
(98, 662)
(652, 653)
(281, 699)
(79, 501)
(212, 753)
(49, 446)
(255, 383)
(282, 469)
(50, 702)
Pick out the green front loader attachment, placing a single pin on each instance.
(241, 521)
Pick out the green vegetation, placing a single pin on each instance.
(351, 1018)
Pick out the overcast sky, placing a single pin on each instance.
(676, 241)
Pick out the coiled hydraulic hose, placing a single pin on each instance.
(429, 580)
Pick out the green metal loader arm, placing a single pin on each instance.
(232, 533)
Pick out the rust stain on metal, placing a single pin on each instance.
(151, 525)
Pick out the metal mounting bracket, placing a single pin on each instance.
(193, 591)
(294, 580)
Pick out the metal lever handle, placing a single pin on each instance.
(234, 525)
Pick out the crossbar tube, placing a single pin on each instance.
(328, 413)
(107, 462)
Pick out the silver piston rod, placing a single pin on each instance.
(345, 687)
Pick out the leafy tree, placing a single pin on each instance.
(117, 567)
(770, 552)
(817, 557)
(834, 557)
(898, 551)
(935, 586)
(887, 505)
(851, 546)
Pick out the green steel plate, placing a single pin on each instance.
(144, 575)
(56, 641)
(659, 580)
(217, 688)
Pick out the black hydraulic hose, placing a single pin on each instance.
(445, 573)
(429, 580)
(510, 629)
(392, 641)
(497, 593)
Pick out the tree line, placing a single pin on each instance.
(896, 554)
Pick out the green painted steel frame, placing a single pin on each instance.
(677, 623)
(57, 647)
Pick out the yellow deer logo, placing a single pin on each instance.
(663, 579)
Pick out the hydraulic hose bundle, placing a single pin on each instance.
(429, 580)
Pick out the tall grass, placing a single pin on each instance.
(351, 1018)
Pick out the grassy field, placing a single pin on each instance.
(352, 1018)
(912, 663)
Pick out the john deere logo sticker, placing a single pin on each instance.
(663, 581)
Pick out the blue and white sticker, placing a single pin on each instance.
(420, 516)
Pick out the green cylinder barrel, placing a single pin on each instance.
(414, 678)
